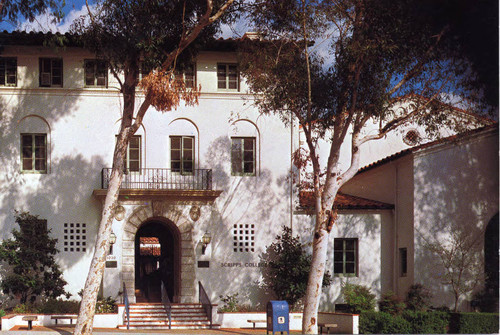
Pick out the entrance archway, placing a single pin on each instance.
(157, 261)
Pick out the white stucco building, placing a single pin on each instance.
(219, 169)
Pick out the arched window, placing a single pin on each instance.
(34, 139)
(245, 155)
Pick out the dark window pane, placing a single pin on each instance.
(40, 141)
(349, 256)
(26, 140)
(338, 268)
(338, 244)
(27, 152)
(249, 143)
(248, 167)
(248, 156)
(40, 164)
(188, 142)
(27, 164)
(134, 166)
(349, 268)
(338, 256)
(175, 155)
(188, 167)
(349, 244)
(175, 166)
(175, 143)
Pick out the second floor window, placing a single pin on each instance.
(132, 161)
(345, 257)
(8, 71)
(51, 72)
(227, 77)
(243, 156)
(96, 73)
(182, 154)
(188, 74)
(34, 153)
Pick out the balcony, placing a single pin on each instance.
(162, 184)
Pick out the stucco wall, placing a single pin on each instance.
(456, 192)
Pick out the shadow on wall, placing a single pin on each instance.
(456, 195)
(262, 201)
(62, 195)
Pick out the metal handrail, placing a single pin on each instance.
(166, 302)
(161, 179)
(205, 302)
(127, 305)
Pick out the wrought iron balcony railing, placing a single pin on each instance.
(162, 179)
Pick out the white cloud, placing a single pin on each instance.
(43, 22)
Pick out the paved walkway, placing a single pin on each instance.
(68, 330)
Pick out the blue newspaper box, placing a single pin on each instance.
(278, 318)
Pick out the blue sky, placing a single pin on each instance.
(76, 8)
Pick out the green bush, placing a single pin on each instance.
(391, 303)
(287, 270)
(474, 323)
(427, 322)
(418, 298)
(59, 306)
(358, 298)
(106, 305)
(230, 303)
(371, 322)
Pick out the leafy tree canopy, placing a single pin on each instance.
(11, 9)
(32, 271)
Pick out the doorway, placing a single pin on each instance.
(157, 261)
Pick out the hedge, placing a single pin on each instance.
(408, 322)
(474, 323)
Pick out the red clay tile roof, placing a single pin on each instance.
(405, 152)
(343, 201)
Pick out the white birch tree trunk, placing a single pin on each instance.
(84, 323)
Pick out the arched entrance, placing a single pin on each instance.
(157, 260)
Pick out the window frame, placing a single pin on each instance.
(344, 251)
(254, 161)
(33, 153)
(96, 65)
(181, 160)
(42, 70)
(4, 66)
(181, 73)
(126, 159)
(226, 77)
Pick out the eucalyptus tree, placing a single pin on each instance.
(126, 34)
(390, 65)
(13, 10)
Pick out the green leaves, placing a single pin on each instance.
(288, 268)
(32, 269)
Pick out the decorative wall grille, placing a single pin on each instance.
(244, 237)
(75, 237)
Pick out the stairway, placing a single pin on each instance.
(154, 316)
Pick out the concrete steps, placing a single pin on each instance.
(154, 316)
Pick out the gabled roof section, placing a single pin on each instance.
(343, 201)
(450, 139)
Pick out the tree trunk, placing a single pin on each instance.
(84, 323)
(317, 271)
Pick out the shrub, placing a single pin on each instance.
(32, 271)
(474, 323)
(371, 322)
(408, 323)
(230, 303)
(418, 298)
(287, 270)
(105, 305)
(427, 322)
(391, 303)
(59, 306)
(358, 298)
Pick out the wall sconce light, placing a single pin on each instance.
(205, 240)
(112, 240)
